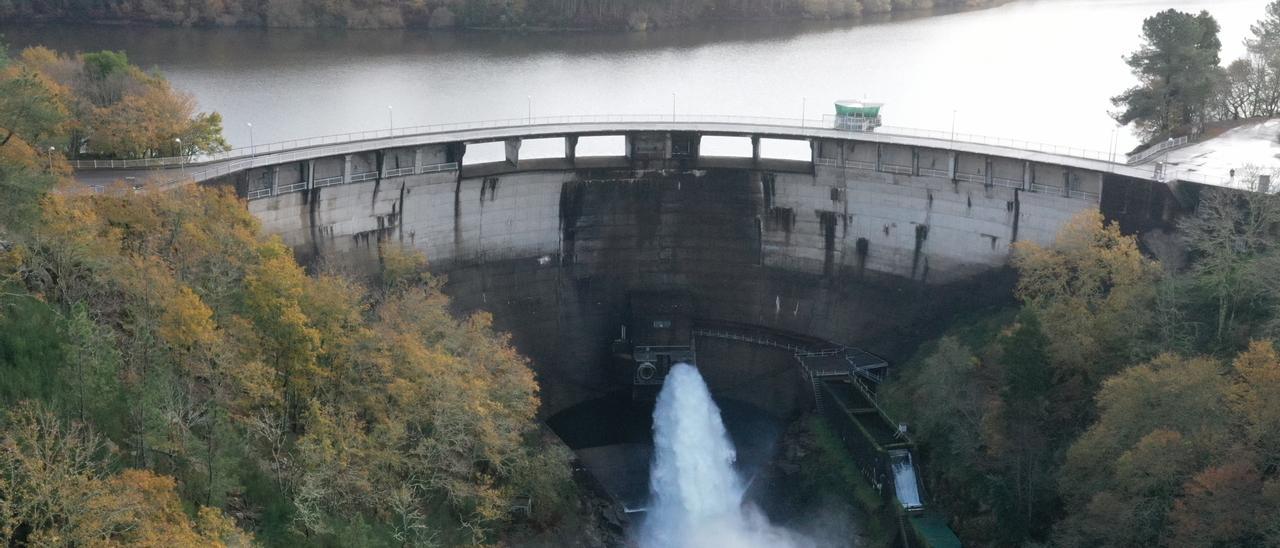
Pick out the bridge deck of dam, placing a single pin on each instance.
(173, 169)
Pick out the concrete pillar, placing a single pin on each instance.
(311, 173)
(1026, 175)
(628, 145)
(513, 151)
(457, 151)
(879, 156)
(1066, 182)
(570, 147)
(755, 148)
(915, 161)
(346, 168)
(952, 165)
(275, 180)
(418, 158)
(988, 177)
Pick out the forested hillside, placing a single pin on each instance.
(1125, 402)
(169, 376)
(601, 14)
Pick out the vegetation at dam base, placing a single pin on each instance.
(171, 376)
(210, 368)
(1124, 402)
(436, 14)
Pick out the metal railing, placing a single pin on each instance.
(1046, 189)
(795, 124)
(891, 168)
(433, 168)
(1083, 195)
(339, 179)
(399, 172)
(366, 176)
(1006, 182)
(295, 187)
(327, 181)
(1157, 149)
(1195, 177)
(930, 172)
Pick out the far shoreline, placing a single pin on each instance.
(604, 28)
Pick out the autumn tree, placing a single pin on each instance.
(1255, 397)
(100, 101)
(58, 492)
(1228, 505)
(1089, 290)
(1159, 423)
(29, 109)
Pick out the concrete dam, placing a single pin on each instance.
(784, 280)
(868, 243)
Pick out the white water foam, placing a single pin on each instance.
(695, 493)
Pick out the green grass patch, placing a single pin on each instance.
(834, 469)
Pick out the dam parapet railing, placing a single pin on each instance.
(183, 169)
(827, 122)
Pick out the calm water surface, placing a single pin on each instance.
(1040, 70)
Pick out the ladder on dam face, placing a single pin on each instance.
(817, 392)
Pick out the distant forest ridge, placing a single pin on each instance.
(440, 14)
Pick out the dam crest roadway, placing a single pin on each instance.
(202, 168)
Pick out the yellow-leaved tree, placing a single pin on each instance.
(1090, 290)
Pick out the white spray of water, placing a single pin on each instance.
(695, 494)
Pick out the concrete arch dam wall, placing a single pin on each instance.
(842, 248)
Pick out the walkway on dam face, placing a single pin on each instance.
(177, 170)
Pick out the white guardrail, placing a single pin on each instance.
(1157, 149)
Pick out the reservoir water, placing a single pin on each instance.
(1039, 70)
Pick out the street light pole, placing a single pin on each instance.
(250, 124)
(1111, 145)
(673, 106)
(803, 103)
(529, 107)
(51, 151)
(391, 121)
(182, 158)
(953, 124)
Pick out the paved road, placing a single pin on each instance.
(204, 170)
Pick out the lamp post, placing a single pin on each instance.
(1111, 145)
(529, 108)
(182, 158)
(51, 151)
(673, 106)
(803, 103)
(953, 124)
(391, 121)
(250, 124)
